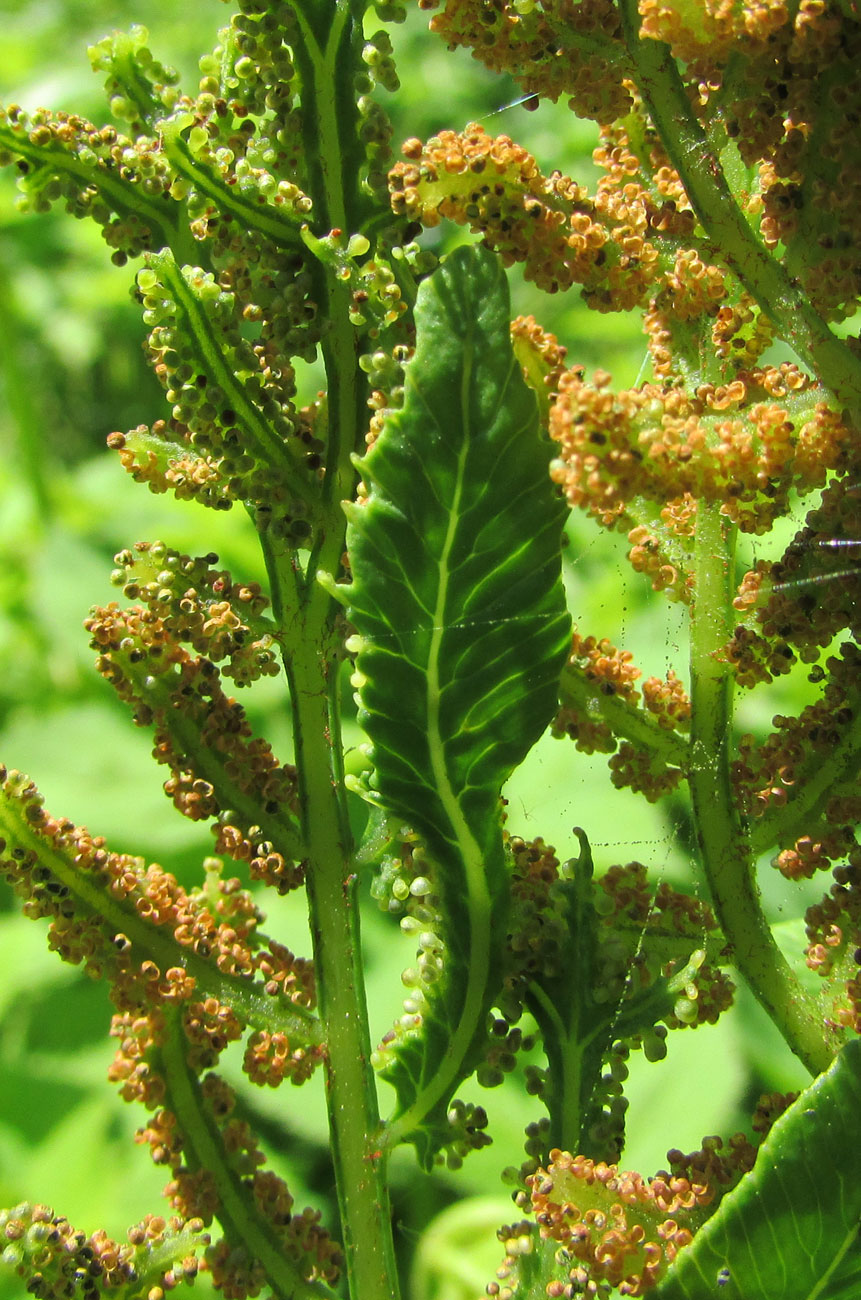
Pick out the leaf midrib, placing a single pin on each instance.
(478, 899)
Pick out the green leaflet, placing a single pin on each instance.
(790, 1228)
(458, 602)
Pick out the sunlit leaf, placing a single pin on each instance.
(458, 602)
(790, 1228)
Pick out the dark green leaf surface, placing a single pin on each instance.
(790, 1228)
(459, 606)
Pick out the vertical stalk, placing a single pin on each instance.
(327, 54)
(354, 1122)
(722, 836)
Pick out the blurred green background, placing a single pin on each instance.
(71, 371)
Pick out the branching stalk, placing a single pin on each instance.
(722, 836)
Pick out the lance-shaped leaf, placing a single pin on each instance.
(790, 1228)
(458, 602)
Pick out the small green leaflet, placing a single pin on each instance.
(790, 1228)
(458, 603)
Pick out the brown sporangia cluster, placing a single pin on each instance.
(220, 772)
(604, 711)
(788, 109)
(648, 960)
(193, 1191)
(833, 929)
(793, 608)
(579, 53)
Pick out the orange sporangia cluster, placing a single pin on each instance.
(746, 444)
(623, 1230)
(600, 702)
(540, 46)
(542, 342)
(621, 247)
(692, 288)
(130, 1068)
(55, 1261)
(741, 332)
(811, 853)
(270, 1058)
(604, 668)
(611, 670)
(193, 1191)
(717, 29)
(209, 1027)
(542, 357)
(661, 551)
(668, 701)
(158, 458)
(162, 1136)
(156, 944)
(204, 737)
(495, 186)
(693, 292)
(618, 1231)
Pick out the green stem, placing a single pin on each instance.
(354, 1122)
(723, 841)
(564, 1048)
(325, 52)
(687, 146)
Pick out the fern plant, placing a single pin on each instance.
(411, 519)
